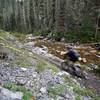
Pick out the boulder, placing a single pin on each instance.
(5, 53)
(30, 37)
(6, 94)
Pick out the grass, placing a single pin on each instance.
(82, 91)
(77, 89)
(58, 89)
(78, 98)
(23, 61)
(70, 84)
(27, 95)
(55, 91)
(21, 36)
(2, 33)
(96, 98)
(40, 66)
(22, 57)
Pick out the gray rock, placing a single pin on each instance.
(43, 90)
(10, 37)
(24, 69)
(86, 98)
(60, 98)
(63, 39)
(21, 80)
(29, 36)
(29, 45)
(93, 66)
(6, 94)
(5, 53)
(68, 94)
(19, 45)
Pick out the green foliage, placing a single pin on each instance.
(57, 36)
(83, 91)
(39, 32)
(87, 30)
(41, 66)
(72, 37)
(97, 71)
(85, 34)
(8, 85)
(27, 95)
(57, 90)
(23, 61)
(69, 84)
(2, 34)
(96, 98)
(20, 36)
(42, 32)
(78, 98)
(98, 37)
(1, 21)
(13, 87)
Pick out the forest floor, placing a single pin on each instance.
(33, 68)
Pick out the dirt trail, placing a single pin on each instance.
(93, 81)
(87, 52)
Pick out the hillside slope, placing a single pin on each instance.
(37, 79)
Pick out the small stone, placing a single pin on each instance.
(30, 53)
(43, 90)
(21, 81)
(60, 73)
(60, 98)
(63, 52)
(84, 60)
(93, 66)
(79, 58)
(24, 69)
(63, 39)
(86, 98)
(93, 51)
